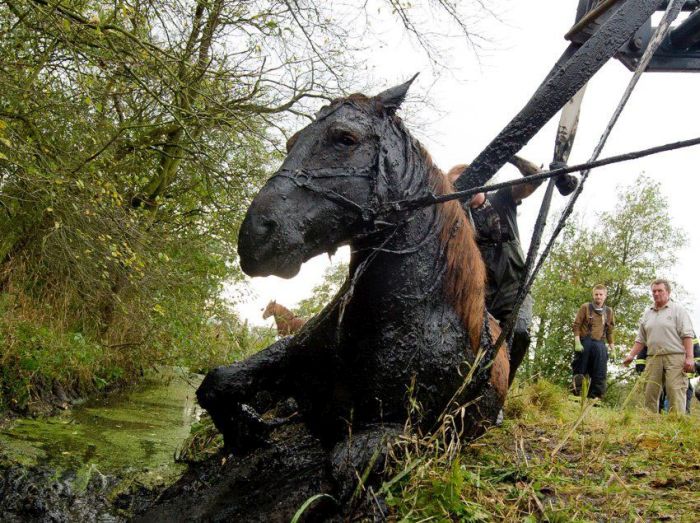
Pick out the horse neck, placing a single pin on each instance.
(407, 250)
(433, 252)
(281, 312)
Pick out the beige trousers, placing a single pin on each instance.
(666, 370)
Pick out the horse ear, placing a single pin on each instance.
(392, 98)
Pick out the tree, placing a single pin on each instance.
(321, 294)
(625, 250)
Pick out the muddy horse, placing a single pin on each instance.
(408, 327)
(285, 320)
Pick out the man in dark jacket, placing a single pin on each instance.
(495, 221)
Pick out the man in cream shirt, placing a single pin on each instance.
(668, 333)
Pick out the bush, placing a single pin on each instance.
(538, 397)
(36, 359)
(41, 356)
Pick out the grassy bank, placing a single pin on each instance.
(557, 458)
(46, 361)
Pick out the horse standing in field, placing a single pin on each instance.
(408, 327)
(285, 320)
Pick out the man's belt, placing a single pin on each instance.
(660, 352)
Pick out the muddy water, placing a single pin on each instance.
(126, 439)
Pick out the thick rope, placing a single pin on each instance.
(432, 199)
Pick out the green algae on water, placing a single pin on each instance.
(138, 431)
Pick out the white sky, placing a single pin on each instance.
(473, 101)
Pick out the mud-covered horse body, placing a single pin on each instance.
(406, 327)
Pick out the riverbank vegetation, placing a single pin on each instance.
(556, 457)
(131, 141)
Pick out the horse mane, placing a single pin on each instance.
(465, 280)
(283, 311)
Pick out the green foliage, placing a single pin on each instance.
(126, 168)
(624, 250)
(35, 358)
(321, 294)
(540, 396)
(204, 441)
(307, 504)
(441, 497)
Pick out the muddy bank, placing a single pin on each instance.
(291, 475)
(113, 460)
(268, 485)
(38, 494)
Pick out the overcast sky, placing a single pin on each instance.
(472, 102)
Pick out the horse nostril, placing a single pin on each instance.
(263, 227)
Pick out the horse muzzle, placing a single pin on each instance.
(267, 246)
(293, 219)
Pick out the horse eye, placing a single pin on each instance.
(344, 138)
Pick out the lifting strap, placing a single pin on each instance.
(604, 314)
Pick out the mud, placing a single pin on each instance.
(268, 485)
(42, 494)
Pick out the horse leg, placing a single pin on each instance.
(228, 392)
(303, 367)
(362, 457)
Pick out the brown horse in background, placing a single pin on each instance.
(287, 323)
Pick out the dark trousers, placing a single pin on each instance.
(520, 341)
(689, 398)
(518, 349)
(591, 362)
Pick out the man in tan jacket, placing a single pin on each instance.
(667, 332)
(593, 326)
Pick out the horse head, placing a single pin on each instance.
(270, 309)
(338, 171)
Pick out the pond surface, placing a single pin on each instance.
(139, 430)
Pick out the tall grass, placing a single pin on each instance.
(559, 458)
